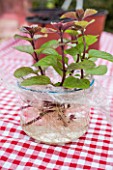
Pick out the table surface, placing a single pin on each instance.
(92, 151)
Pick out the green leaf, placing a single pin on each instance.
(69, 15)
(89, 12)
(73, 66)
(47, 61)
(80, 48)
(100, 70)
(100, 54)
(59, 57)
(57, 84)
(93, 59)
(50, 51)
(51, 43)
(36, 80)
(23, 71)
(85, 64)
(83, 24)
(72, 32)
(72, 82)
(72, 51)
(75, 50)
(58, 68)
(22, 37)
(25, 48)
(39, 51)
(90, 39)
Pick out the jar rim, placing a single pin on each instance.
(52, 91)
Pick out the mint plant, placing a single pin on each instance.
(76, 46)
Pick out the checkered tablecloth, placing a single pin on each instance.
(92, 151)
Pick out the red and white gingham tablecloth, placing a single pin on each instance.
(92, 151)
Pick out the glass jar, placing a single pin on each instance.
(54, 116)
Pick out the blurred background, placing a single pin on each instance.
(14, 13)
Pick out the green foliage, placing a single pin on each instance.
(51, 60)
(73, 51)
(83, 24)
(23, 71)
(89, 12)
(36, 80)
(100, 54)
(50, 51)
(85, 64)
(49, 44)
(23, 37)
(48, 48)
(72, 82)
(58, 68)
(72, 32)
(90, 39)
(72, 75)
(100, 70)
(25, 48)
(47, 61)
(78, 49)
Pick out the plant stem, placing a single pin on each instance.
(78, 56)
(84, 42)
(84, 52)
(36, 56)
(74, 38)
(63, 59)
(82, 74)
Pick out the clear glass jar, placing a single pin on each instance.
(54, 116)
